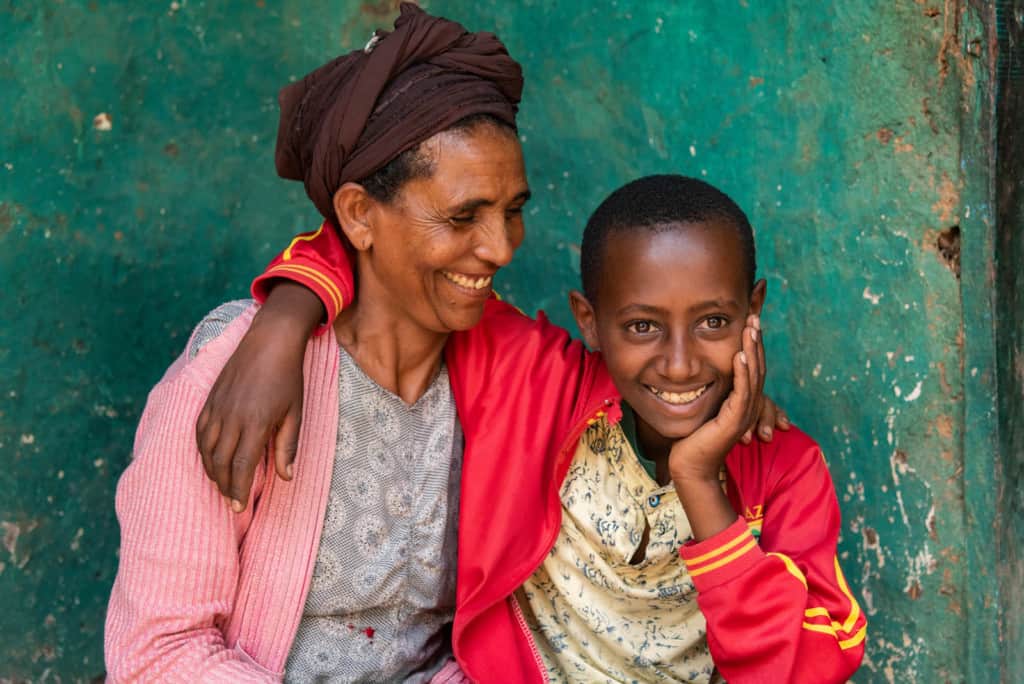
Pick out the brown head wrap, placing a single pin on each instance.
(336, 126)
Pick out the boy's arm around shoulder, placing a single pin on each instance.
(778, 608)
(319, 260)
(179, 560)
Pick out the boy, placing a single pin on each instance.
(606, 497)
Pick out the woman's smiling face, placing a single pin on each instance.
(670, 311)
(438, 244)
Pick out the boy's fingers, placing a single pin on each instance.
(747, 437)
(222, 457)
(782, 420)
(243, 469)
(248, 454)
(753, 363)
(761, 363)
(766, 419)
(206, 440)
(753, 401)
(286, 442)
(740, 386)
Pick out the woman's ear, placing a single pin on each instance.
(757, 296)
(583, 312)
(353, 206)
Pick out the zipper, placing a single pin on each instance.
(521, 619)
(589, 418)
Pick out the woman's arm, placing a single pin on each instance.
(179, 561)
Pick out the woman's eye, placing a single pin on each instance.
(462, 220)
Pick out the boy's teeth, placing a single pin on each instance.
(678, 397)
(472, 283)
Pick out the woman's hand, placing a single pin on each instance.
(697, 460)
(256, 402)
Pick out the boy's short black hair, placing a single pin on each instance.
(655, 203)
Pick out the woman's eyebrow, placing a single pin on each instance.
(473, 204)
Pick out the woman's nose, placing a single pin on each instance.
(498, 241)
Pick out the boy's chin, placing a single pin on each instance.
(675, 428)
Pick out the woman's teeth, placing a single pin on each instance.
(677, 397)
(471, 283)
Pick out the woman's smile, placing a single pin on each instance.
(476, 286)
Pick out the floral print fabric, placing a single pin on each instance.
(382, 595)
(600, 608)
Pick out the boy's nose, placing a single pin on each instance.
(680, 363)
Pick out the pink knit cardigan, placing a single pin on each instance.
(203, 594)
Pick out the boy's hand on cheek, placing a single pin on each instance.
(697, 460)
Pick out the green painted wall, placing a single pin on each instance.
(856, 134)
(1010, 324)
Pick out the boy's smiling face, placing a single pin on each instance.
(671, 306)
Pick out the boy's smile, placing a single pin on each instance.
(671, 307)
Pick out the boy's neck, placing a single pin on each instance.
(654, 447)
(390, 347)
(650, 447)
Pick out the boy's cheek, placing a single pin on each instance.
(724, 353)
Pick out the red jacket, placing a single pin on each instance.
(776, 603)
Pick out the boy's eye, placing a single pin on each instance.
(716, 322)
(640, 327)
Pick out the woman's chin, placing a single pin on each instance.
(458, 318)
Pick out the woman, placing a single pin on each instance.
(348, 578)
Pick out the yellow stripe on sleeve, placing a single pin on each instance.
(304, 237)
(854, 606)
(743, 536)
(855, 640)
(317, 277)
(723, 561)
(824, 629)
(791, 566)
(844, 644)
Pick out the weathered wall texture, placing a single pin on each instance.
(838, 126)
(1010, 325)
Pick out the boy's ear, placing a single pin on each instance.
(353, 206)
(757, 296)
(583, 312)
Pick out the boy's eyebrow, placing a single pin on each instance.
(641, 308)
(717, 304)
(709, 304)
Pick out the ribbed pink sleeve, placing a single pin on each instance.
(179, 565)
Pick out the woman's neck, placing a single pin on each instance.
(397, 353)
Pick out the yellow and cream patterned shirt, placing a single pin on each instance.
(594, 615)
